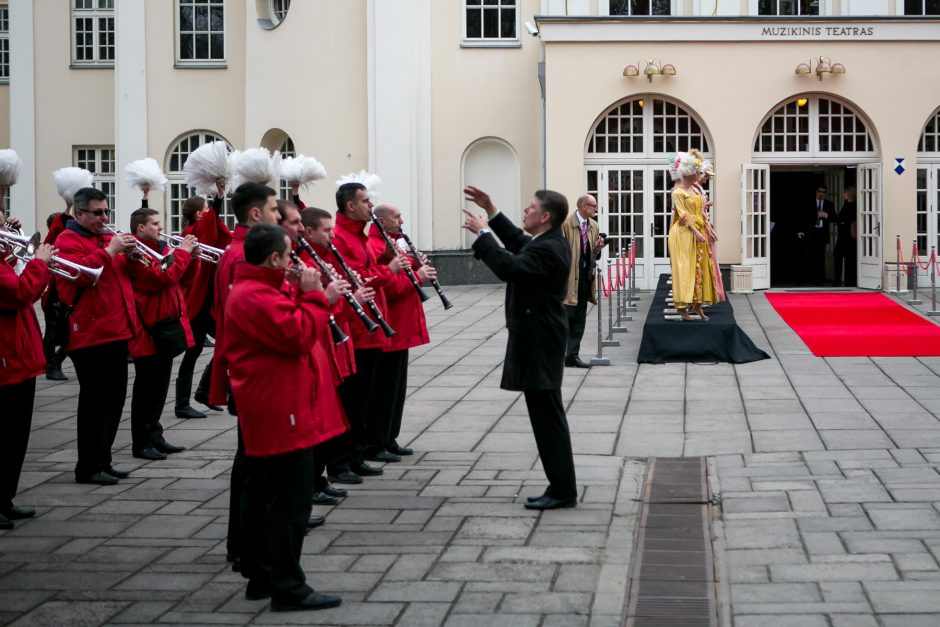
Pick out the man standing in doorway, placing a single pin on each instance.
(816, 233)
(581, 233)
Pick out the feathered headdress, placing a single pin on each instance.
(708, 168)
(371, 181)
(254, 165)
(302, 170)
(70, 180)
(684, 164)
(146, 172)
(9, 167)
(206, 166)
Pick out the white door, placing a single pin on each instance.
(868, 226)
(928, 234)
(755, 222)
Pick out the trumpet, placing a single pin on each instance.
(143, 252)
(17, 244)
(25, 249)
(209, 254)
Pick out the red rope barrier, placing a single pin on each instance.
(904, 266)
(608, 287)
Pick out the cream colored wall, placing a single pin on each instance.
(73, 107)
(4, 116)
(732, 105)
(183, 100)
(476, 93)
(307, 77)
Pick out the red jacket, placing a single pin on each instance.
(271, 341)
(343, 356)
(56, 228)
(224, 280)
(404, 309)
(211, 231)
(21, 354)
(105, 311)
(158, 295)
(353, 244)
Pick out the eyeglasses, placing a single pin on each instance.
(97, 212)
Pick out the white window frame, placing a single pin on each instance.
(899, 10)
(928, 162)
(675, 8)
(176, 180)
(198, 63)
(5, 46)
(493, 42)
(96, 14)
(825, 8)
(287, 149)
(102, 163)
(271, 13)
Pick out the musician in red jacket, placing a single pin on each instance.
(368, 421)
(103, 320)
(159, 297)
(406, 315)
(21, 361)
(204, 222)
(271, 339)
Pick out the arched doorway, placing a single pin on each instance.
(626, 161)
(928, 189)
(491, 164)
(276, 139)
(177, 189)
(810, 142)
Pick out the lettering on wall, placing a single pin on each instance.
(828, 32)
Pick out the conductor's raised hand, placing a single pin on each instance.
(481, 198)
(473, 222)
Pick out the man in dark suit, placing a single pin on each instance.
(535, 268)
(815, 230)
(844, 253)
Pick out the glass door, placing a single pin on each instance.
(869, 226)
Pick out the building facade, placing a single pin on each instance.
(509, 95)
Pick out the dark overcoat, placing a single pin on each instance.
(536, 275)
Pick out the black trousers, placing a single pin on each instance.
(233, 542)
(202, 325)
(390, 394)
(357, 393)
(577, 315)
(54, 357)
(817, 255)
(550, 426)
(328, 454)
(102, 380)
(275, 510)
(844, 256)
(151, 385)
(17, 403)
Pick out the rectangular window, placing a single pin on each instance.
(4, 44)
(99, 160)
(490, 21)
(640, 7)
(93, 33)
(201, 32)
(921, 7)
(788, 7)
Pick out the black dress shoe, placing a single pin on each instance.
(346, 476)
(168, 449)
(150, 453)
(576, 363)
(402, 451)
(55, 374)
(332, 490)
(18, 513)
(315, 601)
(549, 502)
(365, 470)
(188, 412)
(322, 498)
(203, 399)
(384, 456)
(316, 521)
(117, 474)
(257, 591)
(5, 523)
(532, 499)
(99, 478)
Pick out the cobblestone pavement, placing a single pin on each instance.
(826, 471)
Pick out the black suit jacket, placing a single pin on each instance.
(829, 208)
(536, 275)
(844, 220)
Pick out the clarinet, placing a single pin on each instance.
(389, 331)
(328, 271)
(338, 336)
(437, 286)
(411, 275)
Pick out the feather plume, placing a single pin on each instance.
(302, 170)
(9, 167)
(70, 180)
(146, 172)
(254, 165)
(206, 166)
(371, 181)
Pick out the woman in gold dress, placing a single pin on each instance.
(693, 283)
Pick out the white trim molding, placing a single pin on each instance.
(23, 111)
(130, 106)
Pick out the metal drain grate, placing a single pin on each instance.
(673, 581)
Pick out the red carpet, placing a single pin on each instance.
(856, 325)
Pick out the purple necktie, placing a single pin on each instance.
(584, 238)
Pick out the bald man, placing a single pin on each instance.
(581, 232)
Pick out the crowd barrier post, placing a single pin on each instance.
(915, 264)
(610, 341)
(898, 274)
(600, 360)
(933, 282)
(631, 264)
(621, 295)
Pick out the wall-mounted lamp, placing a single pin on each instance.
(823, 65)
(649, 69)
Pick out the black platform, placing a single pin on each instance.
(717, 339)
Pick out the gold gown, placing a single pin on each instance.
(692, 273)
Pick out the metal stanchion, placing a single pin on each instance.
(610, 341)
(600, 360)
(915, 265)
(898, 277)
(631, 265)
(627, 276)
(621, 296)
(933, 282)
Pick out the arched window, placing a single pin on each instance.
(814, 126)
(287, 150)
(928, 189)
(177, 190)
(271, 12)
(646, 126)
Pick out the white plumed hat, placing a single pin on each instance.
(302, 170)
(9, 167)
(146, 172)
(70, 180)
(254, 165)
(371, 181)
(206, 166)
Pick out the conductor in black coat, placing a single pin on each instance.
(535, 268)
